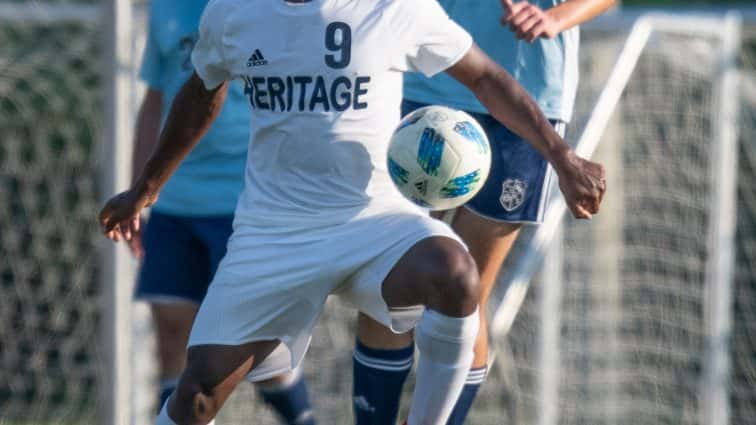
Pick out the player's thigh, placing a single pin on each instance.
(489, 243)
(436, 272)
(175, 267)
(416, 258)
(414, 278)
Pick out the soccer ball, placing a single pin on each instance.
(439, 157)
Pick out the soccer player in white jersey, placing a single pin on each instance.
(537, 42)
(189, 226)
(319, 214)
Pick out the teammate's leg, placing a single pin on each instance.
(212, 372)
(437, 272)
(489, 244)
(172, 279)
(172, 324)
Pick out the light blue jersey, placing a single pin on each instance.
(548, 69)
(209, 180)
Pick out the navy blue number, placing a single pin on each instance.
(338, 38)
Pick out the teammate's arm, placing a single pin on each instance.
(145, 139)
(193, 111)
(582, 182)
(529, 22)
(147, 130)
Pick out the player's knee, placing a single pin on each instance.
(456, 284)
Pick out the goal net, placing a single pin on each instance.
(614, 329)
(630, 320)
(49, 313)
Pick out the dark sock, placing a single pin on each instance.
(469, 391)
(379, 376)
(290, 402)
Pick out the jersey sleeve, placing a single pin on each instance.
(207, 57)
(151, 71)
(431, 42)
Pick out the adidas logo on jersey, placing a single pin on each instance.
(257, 59)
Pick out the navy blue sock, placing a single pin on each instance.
(379, 376)
(469, 391)
(291, 402)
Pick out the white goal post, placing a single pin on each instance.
(721, 229)
(118, 267)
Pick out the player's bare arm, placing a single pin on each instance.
(582, 182)
(193, 111)
(530, 22)
(145, 139)
(147, 130)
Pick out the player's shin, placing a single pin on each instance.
(446, 352)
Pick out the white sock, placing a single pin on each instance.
(164, 419)
(446, 354)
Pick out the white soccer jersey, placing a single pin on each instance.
(324, 81)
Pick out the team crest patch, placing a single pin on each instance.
(512, 194)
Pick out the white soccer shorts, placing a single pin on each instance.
(273, 282)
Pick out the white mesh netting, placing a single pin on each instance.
(631, 339)
(49, 121)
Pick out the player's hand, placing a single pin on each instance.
(135, 243)
(583, 184)
(528, 21)
(120, 217)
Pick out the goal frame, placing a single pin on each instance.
(118, 269)
(714, 394)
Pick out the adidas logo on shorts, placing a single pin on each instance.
(257, 59)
